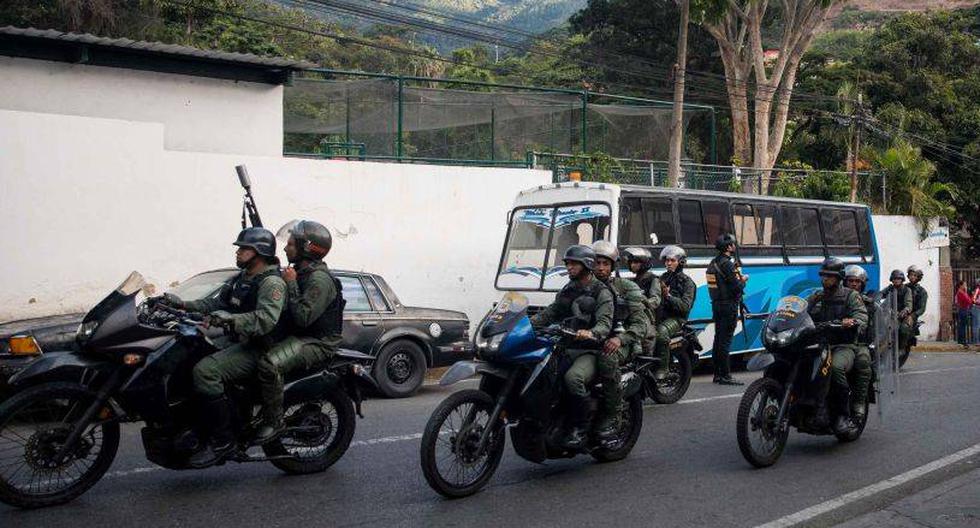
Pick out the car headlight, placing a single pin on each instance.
(85, 331)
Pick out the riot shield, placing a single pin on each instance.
(886, 351)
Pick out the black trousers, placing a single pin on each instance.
(725, 315)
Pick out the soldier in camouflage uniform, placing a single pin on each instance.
(630, 327)
(904, 295)
(640, 261)
(580, 260)
(837, 303)
(920, 297)
(678, 292)
(315, 312)
(856, 279)
(250, 307)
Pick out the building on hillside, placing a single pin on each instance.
(207, 101)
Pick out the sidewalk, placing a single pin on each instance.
(951, 504)
(943, 346)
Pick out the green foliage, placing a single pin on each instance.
(806, 182)
(911, 187)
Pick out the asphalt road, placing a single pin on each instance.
(686, 470)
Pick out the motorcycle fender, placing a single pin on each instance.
(310, 387)
(467, 369)
(760, 361)
(66, 365)
(632, 383)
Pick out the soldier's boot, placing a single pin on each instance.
(272, 423)
(842, 423)
(861, 385)
(580, 414)
(217, 418)
(663, 352)
(610, 419)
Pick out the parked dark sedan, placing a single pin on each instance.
(406, 340)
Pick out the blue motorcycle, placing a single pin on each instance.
(521, 389)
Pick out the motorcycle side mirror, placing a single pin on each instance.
(243, 178)
(760, 361)
(654, 239)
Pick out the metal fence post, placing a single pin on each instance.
(493, 122)
(884, 194)
(585, 108)
(398, 139)
(714, 138)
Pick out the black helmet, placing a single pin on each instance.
(915, 270)
(580, 254)
(724, 241)
(832, 267)
(606, 249)
(313, 239)
(855, 271)
(896, 274)
(258, 238)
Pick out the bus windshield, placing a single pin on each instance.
(539, 236)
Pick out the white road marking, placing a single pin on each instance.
(712, 398)
(386, 440)
(873, 489)
(932, 371)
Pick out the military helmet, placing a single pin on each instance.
(258, 238)
(896, 274)
(857, 272)
(581, 254)
(915, 270)
(724, 241)
(637, 254)
(832, 267)
(313, 239)
(606, 249)
(675, 252)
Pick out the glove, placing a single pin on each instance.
(221, 318)
(172, 300)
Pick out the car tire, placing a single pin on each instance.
(400, 368)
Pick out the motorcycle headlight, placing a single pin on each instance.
(85, 331)
(495, 341)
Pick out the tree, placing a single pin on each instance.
(677, 119)
(738, 30)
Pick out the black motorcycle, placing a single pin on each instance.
(797, 363)
(521, 388)
(684, 348)
(132, 362)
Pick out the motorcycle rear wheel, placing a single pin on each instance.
(756, 421)
(331, 423)
(36, 419)
(675, 385)
(632, 425)
(451, 437)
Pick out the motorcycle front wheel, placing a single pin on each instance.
(452, 462)
(34, 425)
(760, 438)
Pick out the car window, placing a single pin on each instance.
(202, 285)
(374, 293)
(354, 294)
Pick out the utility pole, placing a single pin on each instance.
(496, 53)
(857, 122)
(677, 119)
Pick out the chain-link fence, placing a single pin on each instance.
(800, 182)
(366, 116)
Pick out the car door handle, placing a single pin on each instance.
(369, 323)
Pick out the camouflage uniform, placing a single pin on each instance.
(630, 325)
(835, 305)
(904, 294)
(315, 314)
(920, 297)
(673, 311)
(256, 303)
(649, 285)
(863, 372)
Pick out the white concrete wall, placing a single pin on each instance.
(84, 201)
(898, 246)
(198, 114)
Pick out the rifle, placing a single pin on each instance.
(248, 205)
(742, 309)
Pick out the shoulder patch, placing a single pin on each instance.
(277, 293)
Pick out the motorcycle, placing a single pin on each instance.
(132, 362)
(684, 348)
(521, 389)
(797, 361)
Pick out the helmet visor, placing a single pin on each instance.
(286, 231)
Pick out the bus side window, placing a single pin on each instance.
(692, 228)
(631, 228)
(801, 234)
(716, 220)
(746, 229)
(864, 230)
(659, 215)
(840, 230)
